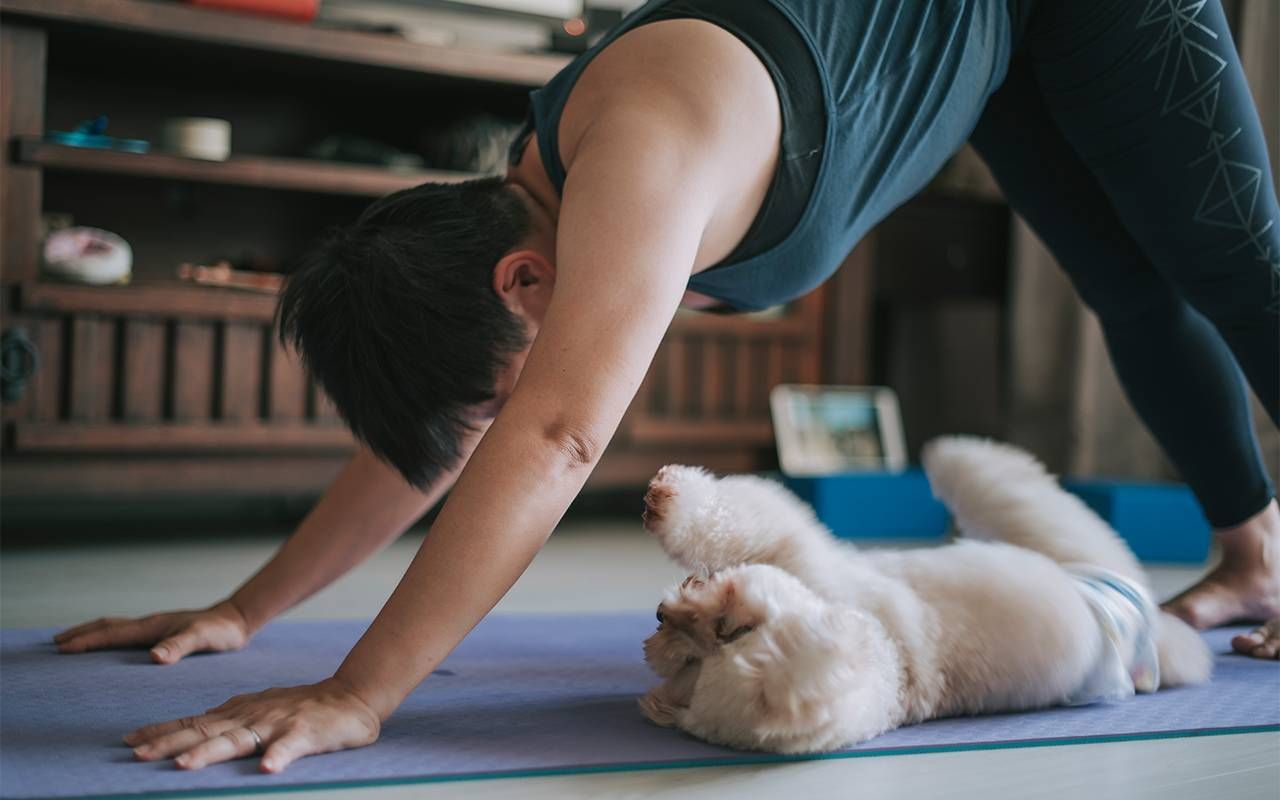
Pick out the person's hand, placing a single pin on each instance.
(174, 634)
(282, 724)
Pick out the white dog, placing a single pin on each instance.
(789, 640)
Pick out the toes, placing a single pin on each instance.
(1264, 642)
(1246, 642)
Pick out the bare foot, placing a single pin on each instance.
(1245, 586)
(1262, 643)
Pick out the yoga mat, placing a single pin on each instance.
(523, 695)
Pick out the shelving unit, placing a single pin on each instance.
(144, 19)
(289, 174)
(161, 387)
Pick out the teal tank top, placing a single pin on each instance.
(899, 87)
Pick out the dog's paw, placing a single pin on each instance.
(657, 709)
(677, 499)
(657, 498)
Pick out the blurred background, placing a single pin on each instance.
(205, 143)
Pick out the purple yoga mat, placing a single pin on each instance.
(523, 695)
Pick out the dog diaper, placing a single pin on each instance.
(1126, 619)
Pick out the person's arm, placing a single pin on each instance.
(366, 507)
(627, 240)
(629, 230)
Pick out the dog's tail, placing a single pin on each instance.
(998, 492)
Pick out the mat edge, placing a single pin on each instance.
(715, 761)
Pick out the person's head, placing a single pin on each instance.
(416, 318)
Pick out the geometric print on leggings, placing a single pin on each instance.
(1191, 79)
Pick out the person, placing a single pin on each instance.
(727, 152)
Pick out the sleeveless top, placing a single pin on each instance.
(875, 96)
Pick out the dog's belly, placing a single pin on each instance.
(1009, 629)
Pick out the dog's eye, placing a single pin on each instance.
(661, 619)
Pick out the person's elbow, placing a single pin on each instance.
(576, 447)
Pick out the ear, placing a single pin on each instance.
(523, 280)
(819, 681)
(735, 618)
(806, 671)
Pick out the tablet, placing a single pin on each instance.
(821, 430)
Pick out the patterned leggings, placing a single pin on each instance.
(1126, 136)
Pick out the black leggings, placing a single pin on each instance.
(1126, 136)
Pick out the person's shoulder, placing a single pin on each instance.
(685, 82)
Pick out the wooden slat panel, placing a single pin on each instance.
(246, 475)
(758, 379)
(659, 397)
(144, 369)
(46, 386)
(714, 355)
(211, 437)
(287, 391)
(241, 371)
(92, 365)
(193, 366)
(797, 364)
(776, 370)
(848, 325)
(677, 376)
(22, 89)
(742, 389)
(735, 432)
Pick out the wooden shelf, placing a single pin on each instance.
(148, 437)
(244, 32)
(154, 299)
(288, 174)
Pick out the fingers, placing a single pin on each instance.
(147, 733)
(84, 627)
(285, 750)
(197, 742)
(110, 633)
(176, 647)
(195, 732)
(235, 742)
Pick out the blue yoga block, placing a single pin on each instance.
(875, 505)
(1160, 521)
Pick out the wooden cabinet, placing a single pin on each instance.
(164, 388)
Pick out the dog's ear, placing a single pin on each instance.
(734, 618)
(811, 680)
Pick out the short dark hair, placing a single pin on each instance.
(396, 318)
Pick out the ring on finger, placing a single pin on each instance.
(257, 740)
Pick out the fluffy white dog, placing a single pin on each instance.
(789, 640)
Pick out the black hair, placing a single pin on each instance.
(396, 318)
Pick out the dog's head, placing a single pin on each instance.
(763, 661)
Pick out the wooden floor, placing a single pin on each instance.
(617, 567)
